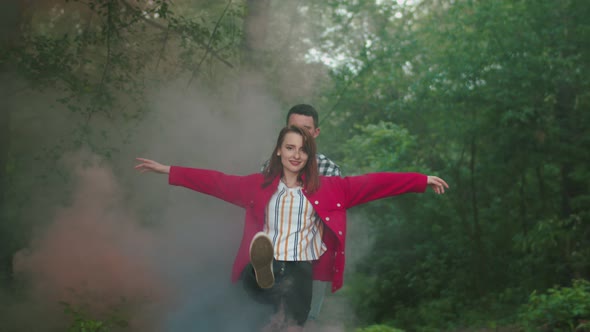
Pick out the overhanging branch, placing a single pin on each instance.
(165, 28)
(209, 43)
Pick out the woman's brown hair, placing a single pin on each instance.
(309, 174)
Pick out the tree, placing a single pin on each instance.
(12, 19)
(487, 91)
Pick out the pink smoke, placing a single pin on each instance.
(93, 252)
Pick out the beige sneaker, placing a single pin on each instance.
(261, 257)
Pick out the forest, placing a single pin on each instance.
(491, 95)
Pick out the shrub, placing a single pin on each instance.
(378, 328)
(83, 322)
(560, 309)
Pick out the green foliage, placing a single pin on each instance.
(101, 58)
(490, 96)
(383, 146)
(559, 309)
(378, 328)
(556, 245)
(83, 321)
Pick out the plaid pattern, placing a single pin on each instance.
(326, 167)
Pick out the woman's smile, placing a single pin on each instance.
(292, 153)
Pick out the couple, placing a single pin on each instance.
(295, 222)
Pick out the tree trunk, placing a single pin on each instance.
(564, 106)
(478, 258)
(11, 19)
(523, 205)
(255, 32)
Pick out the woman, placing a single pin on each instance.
(295, 223)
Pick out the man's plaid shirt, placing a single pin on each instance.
(326, 167)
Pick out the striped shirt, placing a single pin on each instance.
(293, 225)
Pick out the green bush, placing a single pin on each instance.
(560, 309)
(83, 322)
(378, 328)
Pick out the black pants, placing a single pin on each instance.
(292, 289)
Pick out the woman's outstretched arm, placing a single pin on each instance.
(361, 189)
(234, 189)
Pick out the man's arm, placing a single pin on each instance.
(327, 167)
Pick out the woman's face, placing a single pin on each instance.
(293, 158)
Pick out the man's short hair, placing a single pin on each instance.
(304, 109)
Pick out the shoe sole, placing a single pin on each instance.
(261, 257)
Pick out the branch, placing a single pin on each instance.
(108, 60)
(162, 27)
(209, 43)
(163, 47)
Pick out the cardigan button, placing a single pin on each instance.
(338, 205)
(316, 202)
(327, 218)
(340, 232)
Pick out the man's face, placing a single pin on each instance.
(305, 122)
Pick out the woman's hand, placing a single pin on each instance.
(148, 165)
(437, 184)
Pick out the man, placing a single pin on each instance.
(306, 117)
